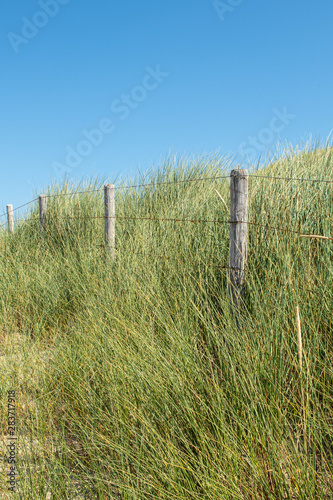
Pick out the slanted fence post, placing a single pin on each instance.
(10, 218)
(239, 195)
(110, 222)
(42, 212)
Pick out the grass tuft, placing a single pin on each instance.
(131, 378)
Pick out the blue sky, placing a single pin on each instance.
(108, 88)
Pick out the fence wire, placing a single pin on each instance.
(193, 221)
(164, 219)
(202, 179)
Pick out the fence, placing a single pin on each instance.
(238, 222)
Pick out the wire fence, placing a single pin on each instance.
(192, 221)
(183, 181)
(238, 220)
(175, 220)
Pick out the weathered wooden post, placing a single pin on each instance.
(110, 222)
(10, 218)
(42, 212)
(239, 193)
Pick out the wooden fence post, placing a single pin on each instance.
(42, 212)
(110, 222)
(10, 218)
(239, 193)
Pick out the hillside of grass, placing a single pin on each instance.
(132, 378)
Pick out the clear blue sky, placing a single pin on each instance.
(155, 76)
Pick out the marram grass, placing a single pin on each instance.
(131, 378)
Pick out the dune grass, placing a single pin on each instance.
(132, 380)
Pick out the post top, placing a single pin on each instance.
(239, 172)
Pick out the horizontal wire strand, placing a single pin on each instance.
(203, 179)
(73, 193)
(21, 206)
(182, 220)
(290, 178)
(193, 221)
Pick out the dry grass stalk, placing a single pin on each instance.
(315, 236)
(299, 338)
(222, 200)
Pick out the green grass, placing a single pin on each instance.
(132, 379)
